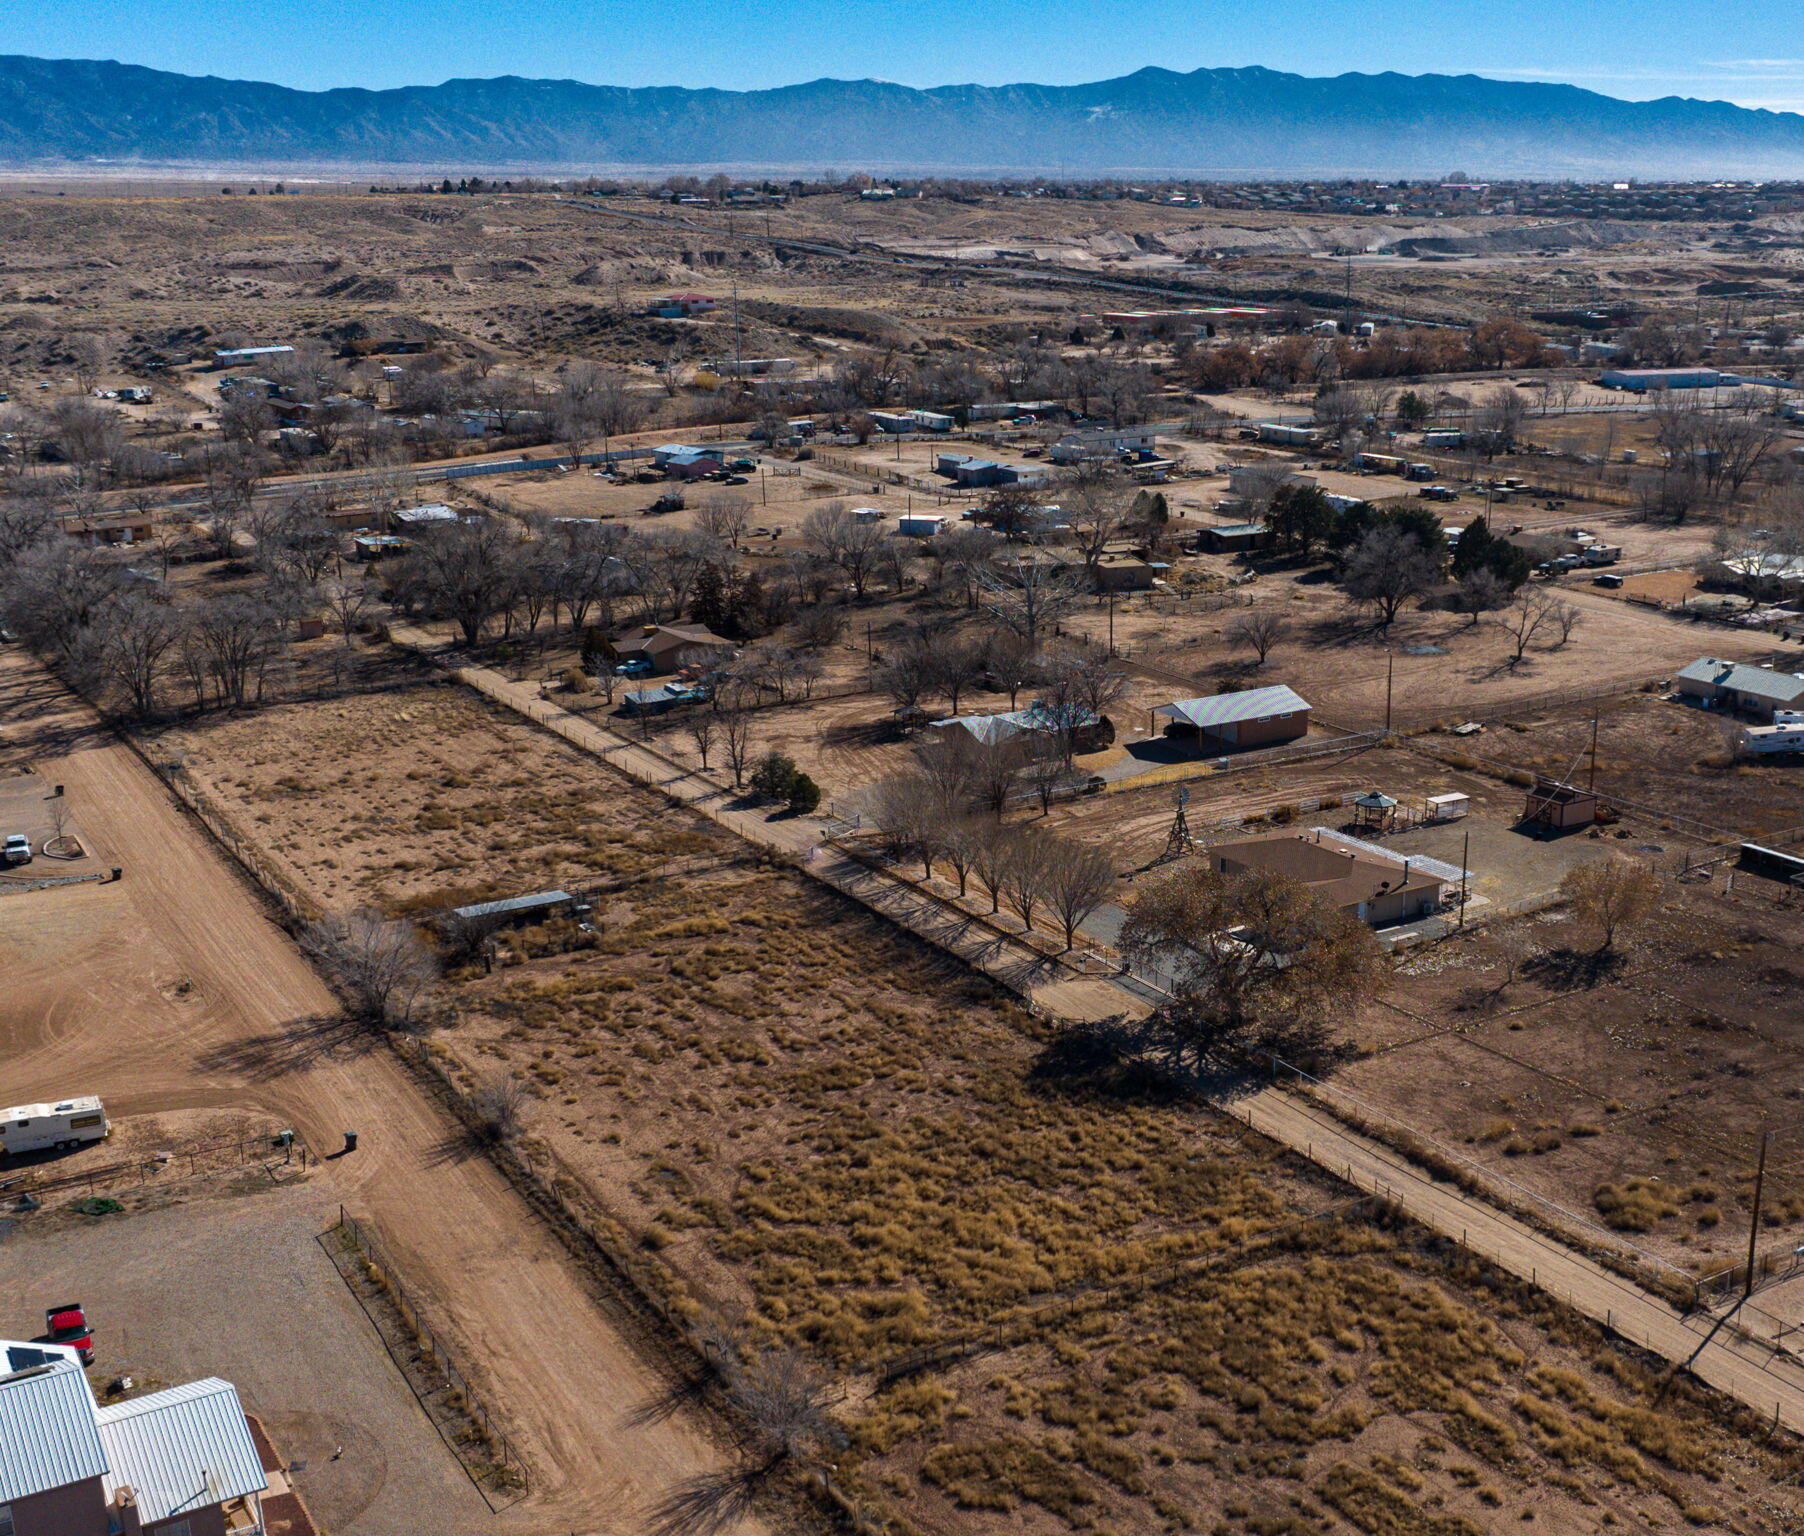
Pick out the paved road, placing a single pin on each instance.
(87, 1001)
(1711, 1348)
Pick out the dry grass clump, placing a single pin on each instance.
(1376, 1505)
(1638, 1204)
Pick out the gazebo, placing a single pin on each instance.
(1374, 811)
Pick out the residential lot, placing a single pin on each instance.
(237, 1286)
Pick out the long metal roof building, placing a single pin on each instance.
(1231, 708)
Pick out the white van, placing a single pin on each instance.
(61, 1127)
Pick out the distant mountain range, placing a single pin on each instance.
(1221, 122)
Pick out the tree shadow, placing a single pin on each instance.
(1569, 970)
(293, 1047)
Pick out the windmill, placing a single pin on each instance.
(1179, 842)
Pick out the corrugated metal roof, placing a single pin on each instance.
(1228, 708)
(1761, 681)
(515, 904)
(181, 1450)
(47, 1434)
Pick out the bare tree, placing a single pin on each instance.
(499, 1102)
(1024, 875)
(840, 538)
(1255, 961)
(1094, 501)
(1029, 597)
(382, 966)
(1258, 631)
(1612, 894)
(700, 728)
(784, 1425)
(1528, 617)
(1564, 617)
(736, 742)
(724, 516)
(465, 570)
(237, 637)
(138, 638)
(1385, 569)
(1076, 879)
(1482, 591)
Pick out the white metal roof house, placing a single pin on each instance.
(175, 1463)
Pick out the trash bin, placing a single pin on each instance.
(350, 1141)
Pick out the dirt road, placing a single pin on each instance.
(171, 989)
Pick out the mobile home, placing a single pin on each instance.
(61, 1127)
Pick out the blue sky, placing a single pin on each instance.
(1732, 50)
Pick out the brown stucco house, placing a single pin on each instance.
(671, 647)
(1367, 882)
(180, 1462)
(1259, 717)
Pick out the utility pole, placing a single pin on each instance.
(1390, 667)
(1465, 875)
(1591, 781)
(1111, 623)
(1754, 1225)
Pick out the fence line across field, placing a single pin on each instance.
(363, 1237)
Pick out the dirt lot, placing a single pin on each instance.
(262, 1306)
(1443, 666)
(894, 1157)
(1654, 751)
(1635, 1100)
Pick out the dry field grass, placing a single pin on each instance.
(1637, 1099)
(1653, 751)
(831, 1135)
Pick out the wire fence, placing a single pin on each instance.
(443, 1388)
(221, 1155)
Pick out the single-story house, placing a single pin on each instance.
(655, 700)
(110, 527)
(378, 546)
(1259, 717)
(963, 469)
(671, 647)
(682, 461)
(1230, 538)
(420, 517)
(180, 1462)
(1110, 443)
(1368, 882)
(1734, 685)
(1766, 573)
(920, 525)
(1040, 723)
(678, 305)
(1129, 575)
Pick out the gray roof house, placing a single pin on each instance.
(1759, 690)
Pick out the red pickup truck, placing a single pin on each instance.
(68, 1325)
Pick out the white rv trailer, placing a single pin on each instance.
(62, 1126)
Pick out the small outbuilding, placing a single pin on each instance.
(1553, 808)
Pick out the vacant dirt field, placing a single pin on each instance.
(1444, 667)
(1654, 751)
(1634, 1095)
(898, 1156)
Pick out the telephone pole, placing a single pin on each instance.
(1754, 1225)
